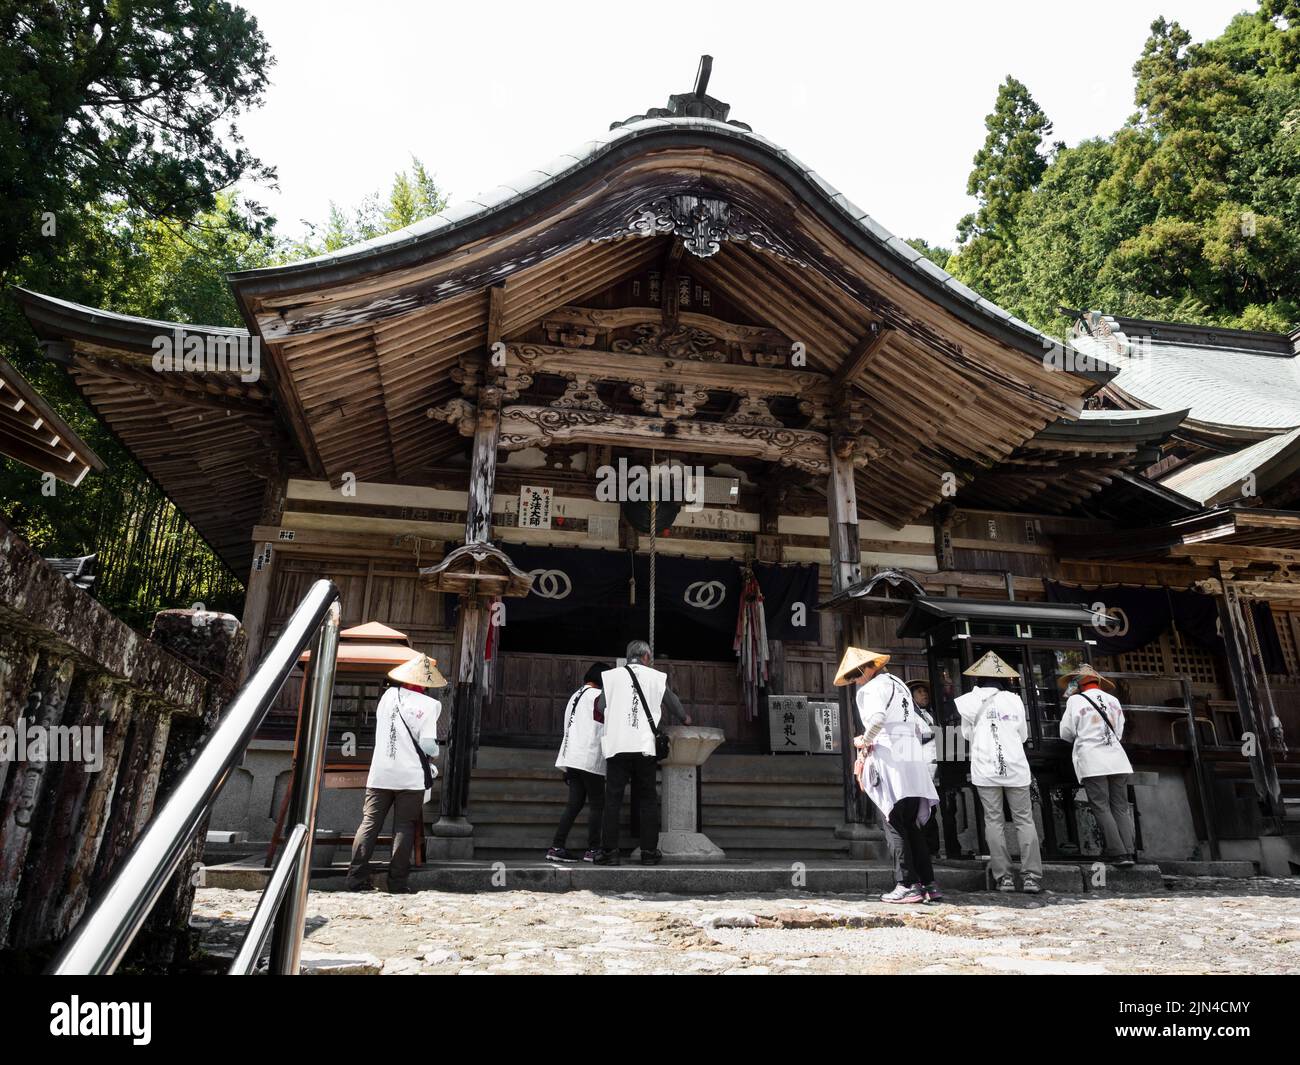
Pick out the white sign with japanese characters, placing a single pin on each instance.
(534, 507)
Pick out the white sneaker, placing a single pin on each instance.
(1007, 883)
(1032, 887)
(904, 894)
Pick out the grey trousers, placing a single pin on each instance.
(407, 821)
(1022, 817)
(1108, 797)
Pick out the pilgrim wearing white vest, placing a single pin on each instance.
(893, 768)
(629, 745)
(1093, 721)
(406, 724)
(994, 724)
(582, 758)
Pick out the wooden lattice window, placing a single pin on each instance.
(1148, 659)
(1288, 623)
(1196, 663)
(1171, 658)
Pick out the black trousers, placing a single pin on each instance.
(585, 789)
(907, 844)
(639, 769)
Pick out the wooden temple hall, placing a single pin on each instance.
(888, 459)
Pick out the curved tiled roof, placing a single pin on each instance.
(1225, 383)
(1221, 479)
(498, 206)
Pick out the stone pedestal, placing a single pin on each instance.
(866, 842)
(679, 810)
(450, 839)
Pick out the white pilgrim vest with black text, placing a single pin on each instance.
(1097, 751)
(581, 746)
(993, 721)
(395, 766)
(626, 729)
(898, 766)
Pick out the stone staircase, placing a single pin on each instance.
(754, 806)
(774, 806)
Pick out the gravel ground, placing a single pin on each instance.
(1197, 926)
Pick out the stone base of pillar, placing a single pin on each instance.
(866, 842)
(451, 839)
(681, 846)
(448, 848)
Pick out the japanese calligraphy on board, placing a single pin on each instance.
(788, 726)
(824, 721)
(534, 507)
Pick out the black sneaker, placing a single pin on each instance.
(367, 886)
(590, 856)
(405, 889)
(559, 854)
(652, 858)
(603, 857)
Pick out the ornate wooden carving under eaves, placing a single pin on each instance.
(668, 400)
(525, 426)
(669, 387)
(753, 410)
(457, 412)
(702, 223)
(579, 394)
(682, 342)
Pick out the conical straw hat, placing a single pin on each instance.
(991, 666)
(1086, 672)
(854, 659)
(422, 671)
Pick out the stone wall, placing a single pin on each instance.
(96, 724)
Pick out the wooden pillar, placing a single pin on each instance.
(1240, 664)
(846, 570)
(453, 833)
(473, 620)
(257, 590)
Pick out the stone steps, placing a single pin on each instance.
(762, 806)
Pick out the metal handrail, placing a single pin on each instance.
(104, 935)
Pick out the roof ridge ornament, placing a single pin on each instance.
(694, 104)
(701, 223)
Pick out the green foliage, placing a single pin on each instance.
(1190, 211)
(938, 256)
(128, 261)
(413, 195)
(1008, 167)
(149, 556)
(134, 102)
(118, 136)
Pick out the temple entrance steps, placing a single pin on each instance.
(774, 806)
(753, 806)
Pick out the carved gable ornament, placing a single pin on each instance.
(481, 569)
(701, 223)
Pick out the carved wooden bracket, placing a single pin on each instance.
(481, 571)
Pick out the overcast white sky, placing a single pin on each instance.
(884, 100)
